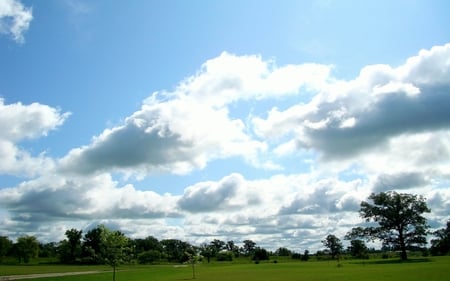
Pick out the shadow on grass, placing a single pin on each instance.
(395, 261)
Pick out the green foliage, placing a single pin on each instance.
(175, 250)
(115, 250)
(27, 247)
(260, 254)
(249, 247)
(333, 244)
(5, 246)
(91, 250)
(282, 251)
(217, 246)
(399, 218)
(224, 256)
(441, 245)
(358, 249)
(74, 243)
(149, 257)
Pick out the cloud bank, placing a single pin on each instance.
(388, 128)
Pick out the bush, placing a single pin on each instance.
(224, 256)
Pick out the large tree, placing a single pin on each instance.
(400, 219)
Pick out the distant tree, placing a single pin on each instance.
(175, 249)
(224, 256)
(149, 256)
(91, 247)
(260, 254)
(231, 247)
(74, 244)
(5, 246)
(27, 247)
(115, 248)
(217, 246)
(282, 251)
(305, 256)
(358, 249)
(333, 244)
(399, 217)
(192, 258)
(249, 247)
(207, 251)
(441, 245)
(48, 250)
(147, 244)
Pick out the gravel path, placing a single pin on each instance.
(42, 275)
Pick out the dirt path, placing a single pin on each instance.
(42, 275)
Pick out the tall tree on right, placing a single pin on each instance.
(400, 219)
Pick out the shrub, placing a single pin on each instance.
(224, 256)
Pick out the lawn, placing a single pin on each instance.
(433, 269)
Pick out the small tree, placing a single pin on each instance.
(399, 217)
(193, 259)
(115, 250)
(333, 244)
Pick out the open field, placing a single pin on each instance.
(432, 269)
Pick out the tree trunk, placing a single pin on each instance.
(403, 254)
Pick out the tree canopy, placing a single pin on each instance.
(401, 224)
(441, 245)
(333, 244)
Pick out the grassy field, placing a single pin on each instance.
(432, 269)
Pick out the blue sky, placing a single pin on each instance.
(235, 120)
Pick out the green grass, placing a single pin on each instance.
(433, 269)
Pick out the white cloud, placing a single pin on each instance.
(347, 118)
(183, 130)
(19, 122)
(15, 19)
(74, 198)
(389, 128)
(175, 136)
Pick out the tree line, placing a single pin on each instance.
(395, 219)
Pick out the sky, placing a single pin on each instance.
(231, 120)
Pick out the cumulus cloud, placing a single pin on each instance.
(176, 136)
(386, 129)
(52, 198)
(347, 118)
(326, 197)
(19, 122)
(210, 196)
(185, 129)
(15, 19)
